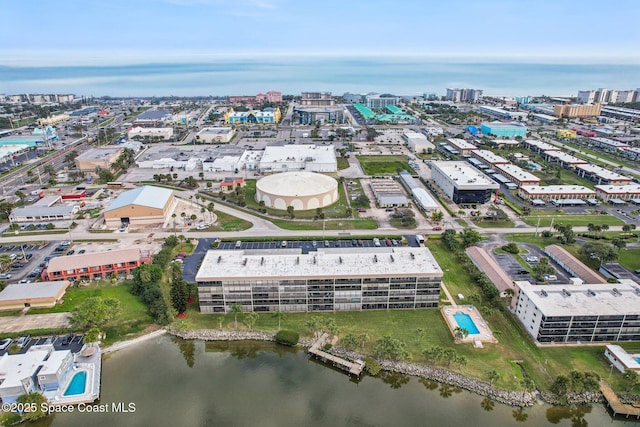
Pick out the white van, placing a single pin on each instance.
(238, 244)
(419, 239)
(376, 241)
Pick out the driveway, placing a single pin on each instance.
(37, 321)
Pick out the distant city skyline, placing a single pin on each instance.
(73, 32)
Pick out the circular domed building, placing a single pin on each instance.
(302, 190)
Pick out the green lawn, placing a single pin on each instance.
(343, 163)
(383, 165)
(630, 258)
(133, 318)
(226, 222)
(574, 220)
(494, 224)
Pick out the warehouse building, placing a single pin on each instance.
(143, 206)
(420, 195)
(35, 295)
(309, 157)
(461, 182)
(48, 208)
(388, 193)
(517, 175)
(504, 130)
(215, 135)
(465, 148)
(548, 193)
(377, 278)
(98, 158)
(579, 313)
(417, 142)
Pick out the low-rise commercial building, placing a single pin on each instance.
(211, 135)
(309, 115)
(323, 280)
(95, 265)
(252, 117)
(35, 295)
(609, 145)
(388, 193)
(464, 148)
(539, 146)
(563, 159)
(600, 175)
(150, 133)
(573, 265)
(566, 133)
(555, 192)
(48, 208)
(309, 157)
(98, 158)
(461, 182)
(143, 206)
(517, 175)
(420, 195)
(622, 192)
(579, 313)
(417, 142)
(489, 158)
(501, 113)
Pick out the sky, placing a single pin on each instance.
(72, 32)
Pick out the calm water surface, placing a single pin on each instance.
(191, 383)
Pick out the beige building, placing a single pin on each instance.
(143, 206)
(150, 133)
(577, 110)
(215, 135)
(94, 158)
(42, 294)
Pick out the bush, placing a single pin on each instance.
(372, 366)
(289, 338)
(511, 248)
(327, 346)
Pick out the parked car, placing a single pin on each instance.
(50, 339)
(5, 343)
(23, 340)
(81, 251)
(238, 244)
(71, 252)
(202, 227)
(67, 339)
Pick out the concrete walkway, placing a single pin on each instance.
(449, 297)
(36, 321)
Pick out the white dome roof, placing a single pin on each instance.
(296, 184)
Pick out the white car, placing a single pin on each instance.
(5, 343)
(202, 227)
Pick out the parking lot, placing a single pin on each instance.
(516, 271)
(71, 342)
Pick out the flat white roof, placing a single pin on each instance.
(325, 263)
(602, 172)
(619, 189)
(299, 153)
(541, 145)
(413, 135)
(557, 189)
(565, 158)
(609, 142)
(601, 301)
(517, 172)
(51, 365)
(215, 131)
(464, 175)
(489, 157)
(23, 291)
(461, 144)
(16, 367)
(630, 361)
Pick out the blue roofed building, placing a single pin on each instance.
(143, 206)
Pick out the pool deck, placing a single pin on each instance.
(93, 366)
(484, 334)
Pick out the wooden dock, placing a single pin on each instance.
(614, 403)
(353, 368)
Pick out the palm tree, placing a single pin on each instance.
(460, 333)
(281, 315)
(527, 385)
(462, 361)
(5, 260)
(235, 309)
(450, 355)
(173, 215)
(493, 375)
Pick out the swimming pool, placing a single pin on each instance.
(464, 321)
(637, 359)
(77, 385)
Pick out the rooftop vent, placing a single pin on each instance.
(616, 292)
(244, 261)
(591, 293)
(544, 293)
(375, 258)
(297, 260)
(262, 261)
(315, 259)
(219, 258)
(566, 293)
(412, 255)
(340, 260)
(392, 259)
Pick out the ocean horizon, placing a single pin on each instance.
(400, 76)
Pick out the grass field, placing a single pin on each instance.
(383, 165)
(133, 318)
(226, 222)
(630, 258)
(343, 163)
(574, 220)
(495, 224)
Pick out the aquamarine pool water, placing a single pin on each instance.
(77, 384)
(465, 321)
(637, 359)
